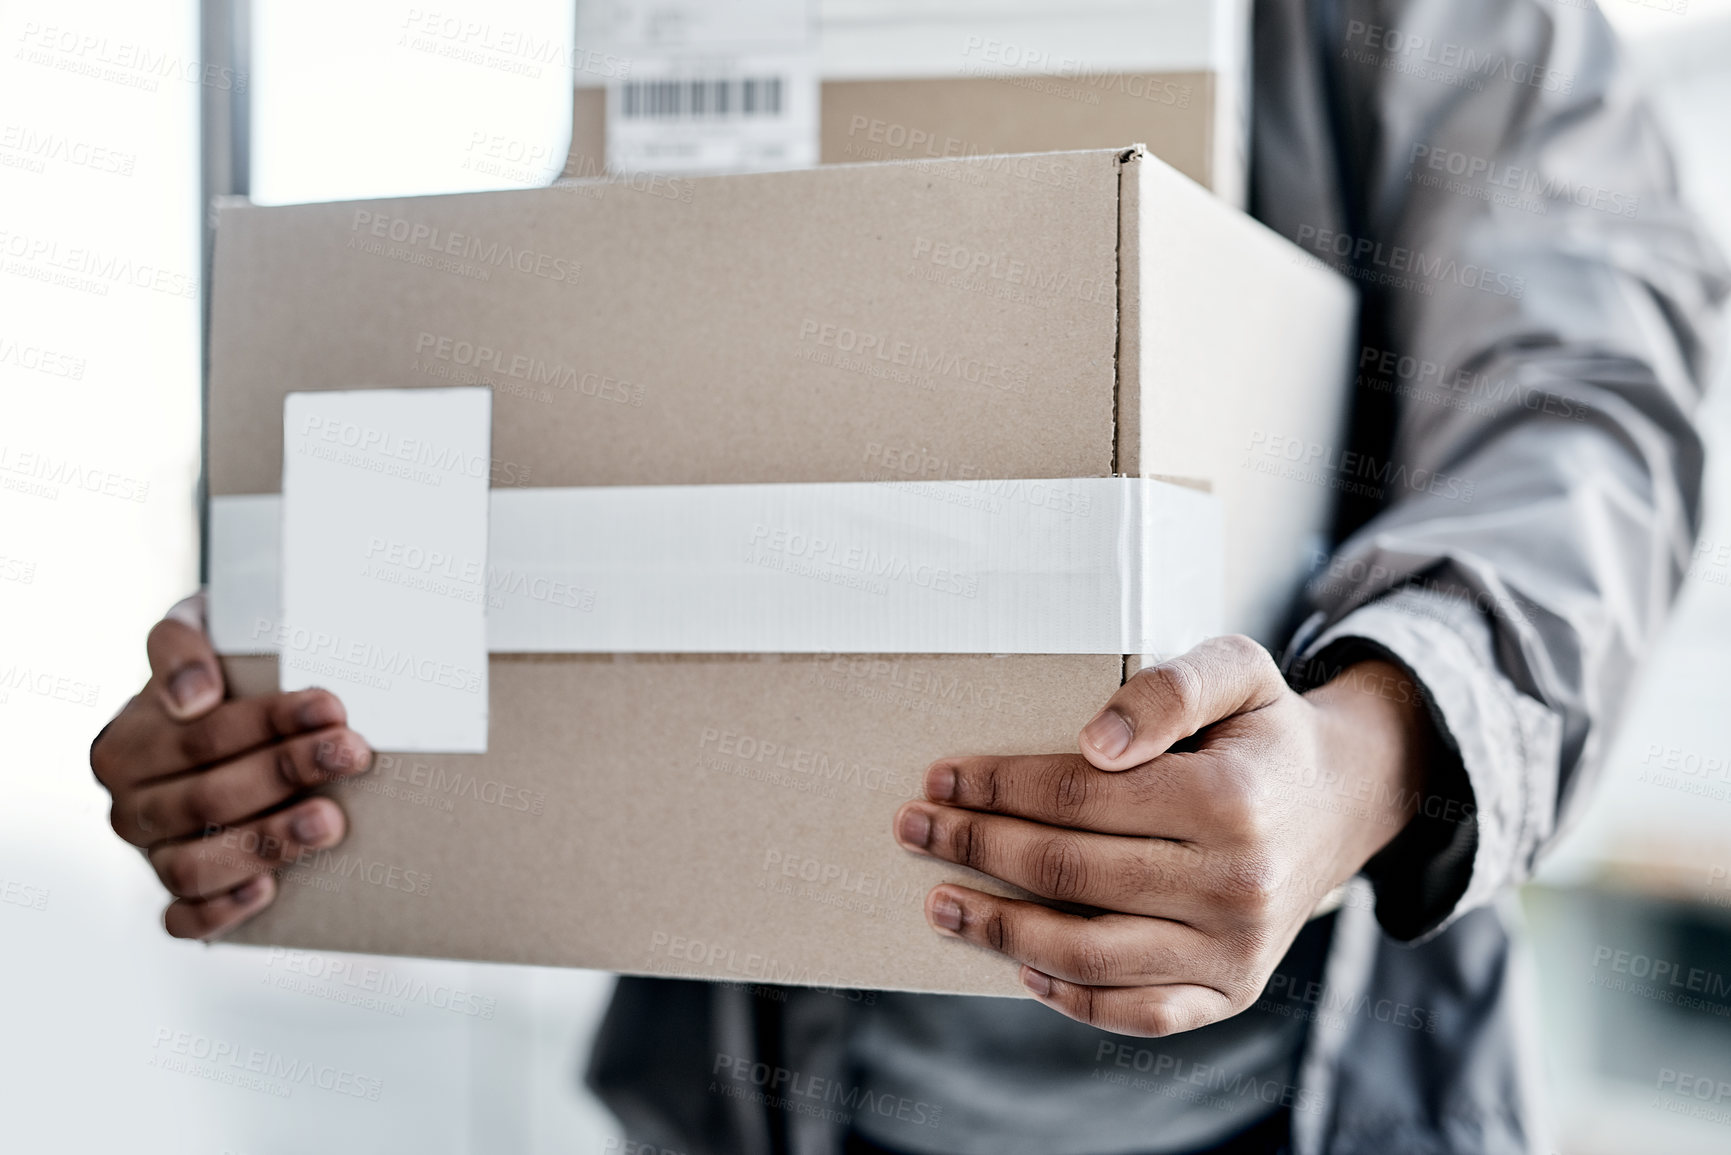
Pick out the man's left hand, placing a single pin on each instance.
(1210, 811)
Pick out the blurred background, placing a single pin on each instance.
(100, 166)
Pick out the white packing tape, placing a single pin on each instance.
(1106, 565)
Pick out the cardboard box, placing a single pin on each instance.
(727, 816)
(917, 79)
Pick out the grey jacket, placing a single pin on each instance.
(1520, 498)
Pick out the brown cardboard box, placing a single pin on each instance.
(931, 78)
(920, 118)
(728, 816)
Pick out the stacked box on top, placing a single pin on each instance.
(919, 79)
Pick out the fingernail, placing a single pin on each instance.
(946, 913)
(1109, 733)
(320, 710)
(914, 828)
(252, 891)
(191, 687)
(311, 826)
(341, 755)
(941, 782)
(1039, 983)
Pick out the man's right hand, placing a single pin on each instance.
(216, 791)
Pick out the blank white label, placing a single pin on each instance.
(384, 531)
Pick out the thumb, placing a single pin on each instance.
(183, 667)
(1168, 702)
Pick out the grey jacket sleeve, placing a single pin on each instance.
(1539, 306)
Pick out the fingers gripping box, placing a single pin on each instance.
(790, 488)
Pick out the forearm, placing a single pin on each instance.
(1376, 743)
(1537, 477)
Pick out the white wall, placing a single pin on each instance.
(99, 388)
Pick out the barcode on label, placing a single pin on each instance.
(701, 99)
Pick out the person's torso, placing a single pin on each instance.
(978, 1076)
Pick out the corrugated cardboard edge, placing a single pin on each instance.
(1127, 407)
(1127, 397)
(1127, 411)
(1304, 314)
